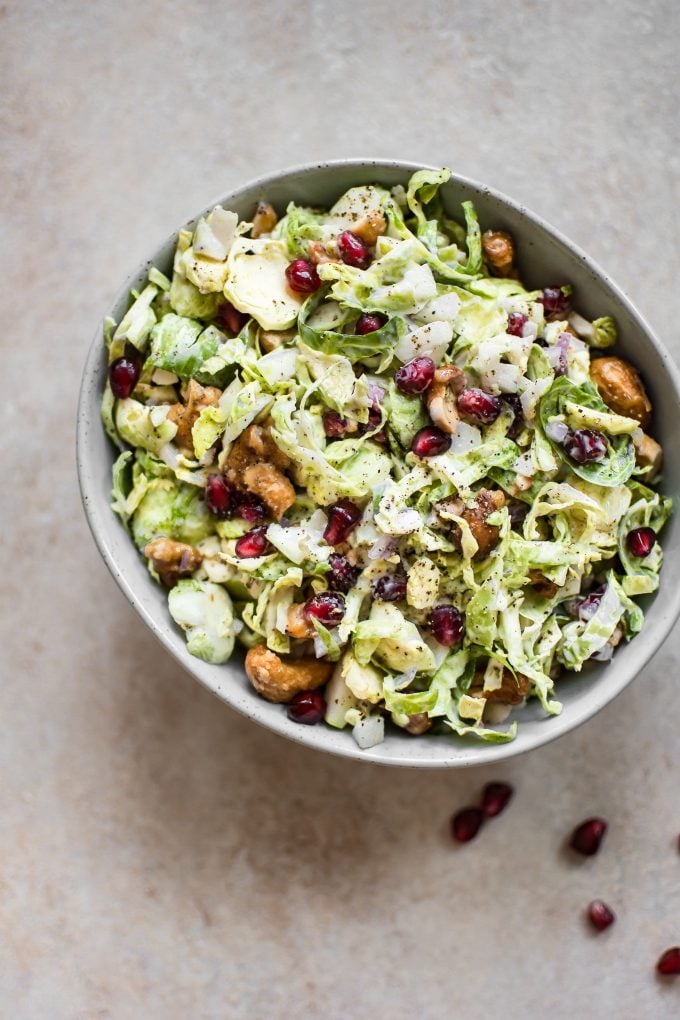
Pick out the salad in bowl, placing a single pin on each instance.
(353, 442)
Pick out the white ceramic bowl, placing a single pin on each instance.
(545, 257)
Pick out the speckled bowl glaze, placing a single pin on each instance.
(545, 257)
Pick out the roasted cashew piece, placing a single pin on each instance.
(648, 453)
(297, 625)
(278, 679)
(442, 397)
(172, 560)
(264, 220)
(499, 252)
(621, 388)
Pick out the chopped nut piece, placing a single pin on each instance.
(255, 444)
(418, 724)
(185, 414)
(318, 253)
(264, 220)
(298, 626)
(172, 560)
(486, 502)
(542, 585)
(370, 227)
(271, 485)
(513, 689)
(499, 252)
(448, 382)
(622, 389)
(648, 453)
(278, 679)
(271, 339)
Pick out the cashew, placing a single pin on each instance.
(418, 724)
(172, 560)
(621, 388)
(648, 453)
(499, 252)
(298, 626)
(486, 502)
(271, 339)
(185, 414)
(264, 220)
(370, 227)
(448, 382)
(278, 679)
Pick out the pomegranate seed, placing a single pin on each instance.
(478, 404)
(123, 376)
(390, 587)
(600, 915)
(556, 301)
(219, 496)
(253, 543)
(353, 251)
(343, 518)
(328, 607)
(587, 836)
(342, 576)
(516, 323)
(307, 707)
(640, 541)
(251, 508)
(495, 797)
(334, 425)
(374, 421)
(369, 322)
(415, 376)
(466, 824)
(669, 962)
(231, 317)
(430, 441)
(447, 624)
(302, 276)
(585, 445)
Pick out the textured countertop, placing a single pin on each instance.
(161, 856)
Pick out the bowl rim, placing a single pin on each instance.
(556, 726)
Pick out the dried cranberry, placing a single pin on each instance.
(334, 425)
(328, 607)
(483, 407)
(307, 707)
(343, 518)
(390, 587)
(342, 576)
(585, 445)
(668, 963)
(516, 323)
(600, 915)
(514, 402)
(231, 317)
(466, 824)
(430, 442)
(495, 797)
(302, 276)
(587, 837)
(253, 543)
(640, 541)
(369, 322)
(556, 300)
(353, 251)
(415, 376)
(123, 376)
(447, 624)
(220, 495)
(251, 508)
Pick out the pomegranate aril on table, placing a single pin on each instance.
(587, 837)
(466, 824)
(668, 963)
(495, 798)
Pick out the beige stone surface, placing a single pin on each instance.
(162, 857)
